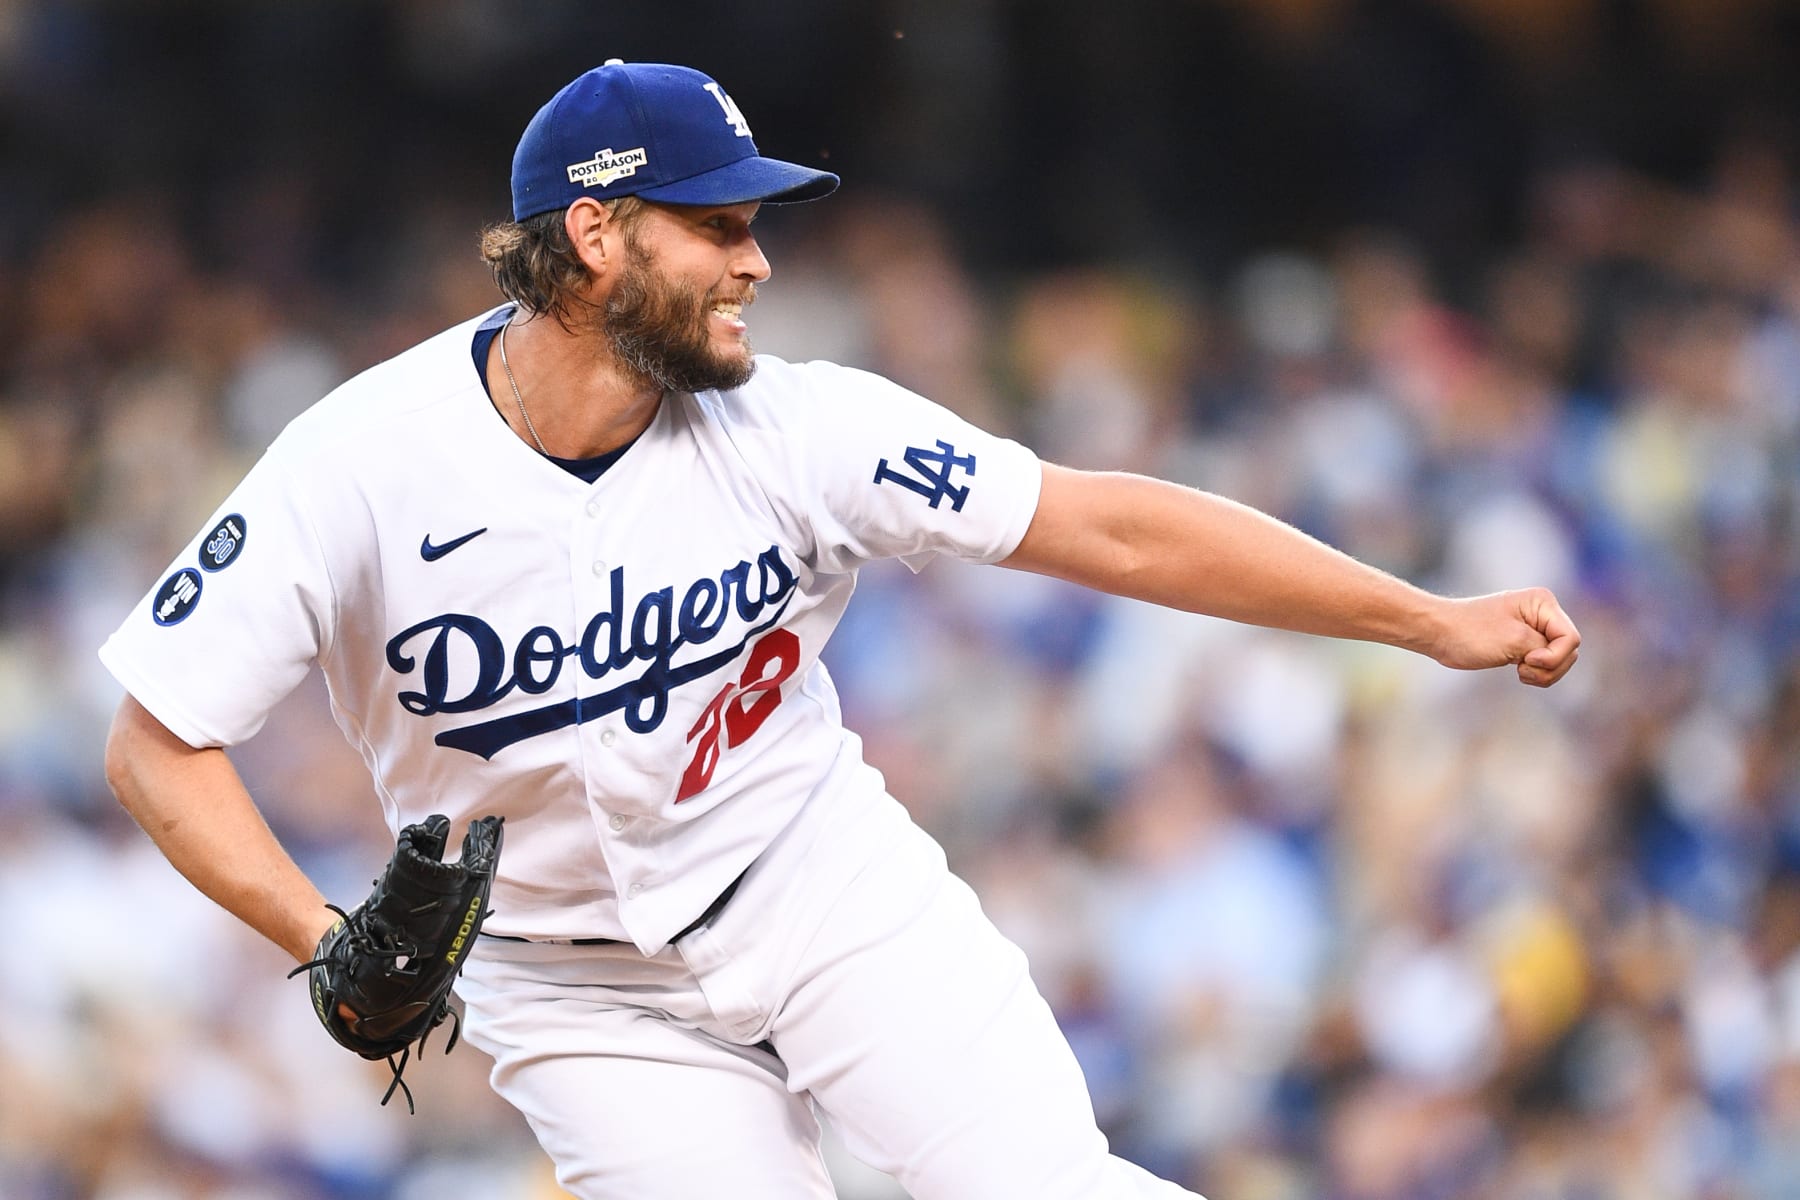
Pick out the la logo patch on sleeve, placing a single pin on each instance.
(933, 472)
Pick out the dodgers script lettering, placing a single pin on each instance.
(651, 631)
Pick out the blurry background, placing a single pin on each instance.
(1487, 292)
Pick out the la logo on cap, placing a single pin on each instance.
(732, 113)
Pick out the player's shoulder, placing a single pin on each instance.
(778, 375)
(398, 391)
(785, 393)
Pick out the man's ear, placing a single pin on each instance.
(591, 229)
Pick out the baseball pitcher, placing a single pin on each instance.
(569, 566)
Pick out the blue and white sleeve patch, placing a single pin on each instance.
(221, 547)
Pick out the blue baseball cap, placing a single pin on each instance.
(665, 133)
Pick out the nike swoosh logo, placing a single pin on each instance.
(431, 553)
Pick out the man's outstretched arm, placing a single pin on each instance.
(1155, 541)
(197, 811)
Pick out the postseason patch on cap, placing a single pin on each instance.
(607, 167)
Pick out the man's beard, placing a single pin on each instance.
(662, 332)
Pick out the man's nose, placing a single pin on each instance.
(752, 264)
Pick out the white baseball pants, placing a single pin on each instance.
(893, 1006)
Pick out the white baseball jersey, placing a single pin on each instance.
(626, 670)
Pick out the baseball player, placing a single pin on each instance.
(572, 563)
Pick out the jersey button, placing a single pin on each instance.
(599, 567)
(608, 737)
(617, 823)
(635, 890)
(593, 508)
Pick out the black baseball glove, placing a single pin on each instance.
(381, 976)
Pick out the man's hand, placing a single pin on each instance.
(1527, 628)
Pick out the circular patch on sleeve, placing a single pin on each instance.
(224, 543)
(177, 597)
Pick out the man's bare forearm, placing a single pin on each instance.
(197, 811)
(1169, 545)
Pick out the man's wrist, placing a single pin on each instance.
(1425, 625)
(309, 930)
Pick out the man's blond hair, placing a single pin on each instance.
(535, 265)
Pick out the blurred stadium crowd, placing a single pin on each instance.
(1324, 921)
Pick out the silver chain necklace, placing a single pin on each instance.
(507, 367)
